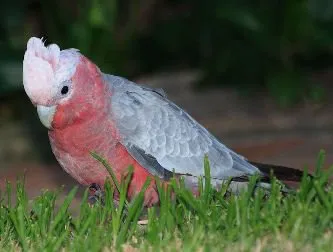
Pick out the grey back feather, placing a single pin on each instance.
(163, 138)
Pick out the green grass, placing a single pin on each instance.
(213, 221)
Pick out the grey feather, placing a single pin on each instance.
(149, 162)
(152, 126)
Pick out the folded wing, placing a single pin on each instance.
(165, 139)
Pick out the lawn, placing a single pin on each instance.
(213, 221)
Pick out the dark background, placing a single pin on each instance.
(256, 73)
(249, 45)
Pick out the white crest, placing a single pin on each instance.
(45, 69)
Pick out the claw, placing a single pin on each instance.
(97, 195)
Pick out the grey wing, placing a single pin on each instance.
(164, 139)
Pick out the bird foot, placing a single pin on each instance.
(97, 195)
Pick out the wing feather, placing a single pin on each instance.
(165, 133)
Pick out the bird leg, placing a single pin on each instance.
(96, 194)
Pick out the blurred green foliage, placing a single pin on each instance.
(252, 45)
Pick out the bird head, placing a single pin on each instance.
(62, 84)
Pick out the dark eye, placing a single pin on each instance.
(64, 90)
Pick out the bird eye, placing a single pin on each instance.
(64, 90)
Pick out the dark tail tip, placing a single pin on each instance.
(280, 172)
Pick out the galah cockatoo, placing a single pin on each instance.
(86, 110)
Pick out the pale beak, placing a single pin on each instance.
(46, 115)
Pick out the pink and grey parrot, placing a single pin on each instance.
(87, 110)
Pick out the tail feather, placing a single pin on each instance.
(280, 172)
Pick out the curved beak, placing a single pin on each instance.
(46, 115)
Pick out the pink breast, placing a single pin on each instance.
(72, 147)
